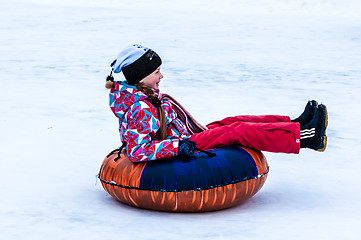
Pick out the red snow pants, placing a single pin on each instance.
(270, 133)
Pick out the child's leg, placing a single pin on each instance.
(250, 119)
(273, 137)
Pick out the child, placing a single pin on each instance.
(154, 126)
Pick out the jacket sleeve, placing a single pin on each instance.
(142, 125)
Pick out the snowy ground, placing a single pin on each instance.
(221, 58)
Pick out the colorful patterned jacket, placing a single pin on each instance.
(139, 123)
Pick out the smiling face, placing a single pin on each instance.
(153, 79)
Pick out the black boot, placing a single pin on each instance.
(308, 113)
(313, 134)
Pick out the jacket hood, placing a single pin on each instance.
(122, 96)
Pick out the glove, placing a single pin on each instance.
(186, 148)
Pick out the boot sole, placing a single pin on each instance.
(324, 141)
(324, 144)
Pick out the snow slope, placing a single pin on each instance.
(248, 57)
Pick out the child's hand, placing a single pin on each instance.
(186, 148)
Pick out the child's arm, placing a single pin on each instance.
(142, 125)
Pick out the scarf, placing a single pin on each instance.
(182, 114)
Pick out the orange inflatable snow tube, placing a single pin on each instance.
(198, 184)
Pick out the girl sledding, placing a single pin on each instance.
(154, 126)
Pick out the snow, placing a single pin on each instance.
(221, 58)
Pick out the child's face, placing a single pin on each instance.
(153, 79)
